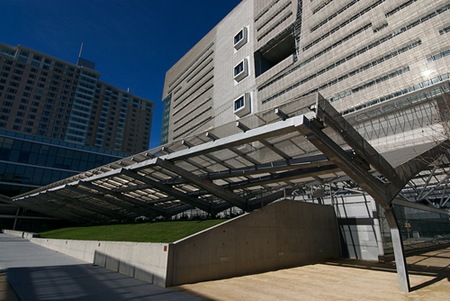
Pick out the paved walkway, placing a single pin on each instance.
(429, 275)
(36, 273)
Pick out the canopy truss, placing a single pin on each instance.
(260, 159)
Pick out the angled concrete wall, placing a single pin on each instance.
(145, 261)
(281, 235)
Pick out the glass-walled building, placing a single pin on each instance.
(28, 162)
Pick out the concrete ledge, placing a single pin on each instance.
(26, 235)
(144, 261)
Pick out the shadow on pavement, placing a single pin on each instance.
(84, 282)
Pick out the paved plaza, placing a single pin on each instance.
(337, 280)
(36, 273)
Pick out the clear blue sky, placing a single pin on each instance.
(132, 42)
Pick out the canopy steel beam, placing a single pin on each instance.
(269, 145)
(209, 156)
(409, 169)
(272, 167)
(181, 196)
(43, 201)
(111, 214)
(382, 193)
(230, 143)
(265, 168)
(132, 188)
(275, 150)
(285, 176)
(6, 199)
(267, 199)
(212, 188)
(341, 158)
(127, 202)
(244, 156)
(327, 114)
(74, 207)
(281, 114)
(257, 134)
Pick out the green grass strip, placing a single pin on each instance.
(147, 232)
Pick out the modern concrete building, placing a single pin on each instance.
(359, 55)
(355, 53)
(373, 61)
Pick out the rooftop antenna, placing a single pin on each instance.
(81, 50)
(84, 62)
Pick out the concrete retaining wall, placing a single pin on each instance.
(26, 235)
(284, 234)
(145, 261)
(281, 235)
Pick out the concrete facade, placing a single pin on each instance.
(357, 54)
(283, 234)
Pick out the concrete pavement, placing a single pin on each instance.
(344, 280)
(37, 273)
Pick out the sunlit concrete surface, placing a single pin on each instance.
(337, 280)
(36, 273)
(334, 280)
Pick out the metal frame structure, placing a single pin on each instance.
(256, 161)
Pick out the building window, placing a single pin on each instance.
(239, 103)
(242, 105)
(240, 38)
(241, 70)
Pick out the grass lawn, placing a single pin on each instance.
(147, 232)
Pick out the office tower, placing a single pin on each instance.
(58, 119)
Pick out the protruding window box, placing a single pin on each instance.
(241, 70)
(240, 39)
(242, 105)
